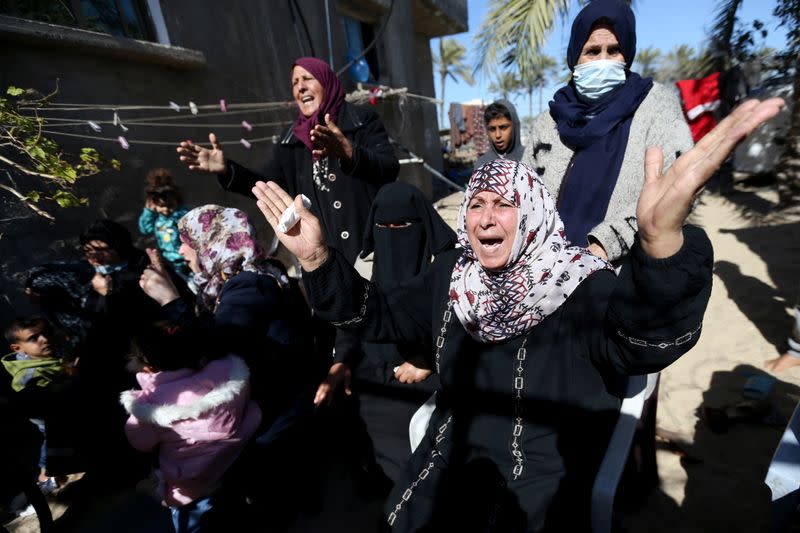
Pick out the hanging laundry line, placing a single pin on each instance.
(163, 124)
(172, 117)
(124, 107)
(361, 94)
(271, 138)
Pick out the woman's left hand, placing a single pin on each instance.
(408, 373)
(665, 199)
(102, 284)
(331, 141)
(155, 280)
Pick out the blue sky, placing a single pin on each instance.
(660, 23)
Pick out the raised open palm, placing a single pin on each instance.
(304, 239)
(197, 157)
(666, 198)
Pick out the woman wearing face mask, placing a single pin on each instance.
(335, 153)
(589, 148)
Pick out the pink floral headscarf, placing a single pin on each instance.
(225, 242)
(542, 270)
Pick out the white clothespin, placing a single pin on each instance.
(193, 108)
(175, 106)
(94, 125)
(118, 122)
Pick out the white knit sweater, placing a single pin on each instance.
(659, 121)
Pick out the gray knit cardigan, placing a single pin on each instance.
(659, 121)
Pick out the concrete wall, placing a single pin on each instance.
(248, 48)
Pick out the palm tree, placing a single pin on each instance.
(450, 62)
(648, 60)
(536, 78)
(507, 83)
(515, 30)
(682, 63)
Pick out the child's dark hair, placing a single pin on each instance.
(26, 322)
(161, 190)
(167, 345)
(114, 234)
(495, 110)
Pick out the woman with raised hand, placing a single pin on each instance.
(336, 153)
(532, 338)
(245, 299)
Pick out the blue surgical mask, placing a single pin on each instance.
(105, 270)
(595, 79)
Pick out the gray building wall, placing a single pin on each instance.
(248, 47)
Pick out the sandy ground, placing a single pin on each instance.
(718, 484)
(712, 481)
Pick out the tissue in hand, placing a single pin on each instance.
(290, 217)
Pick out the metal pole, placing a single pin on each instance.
(330, 42)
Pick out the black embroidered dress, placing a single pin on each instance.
(521, 426)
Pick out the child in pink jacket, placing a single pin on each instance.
(196, 413)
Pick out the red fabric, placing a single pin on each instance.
(697, 96)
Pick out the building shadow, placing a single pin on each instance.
(779, 248)
(725, 490)
(762, 304)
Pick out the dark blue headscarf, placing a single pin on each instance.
(597, 131)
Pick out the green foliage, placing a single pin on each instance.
(27, 150)
(507, 84)
(450, 63)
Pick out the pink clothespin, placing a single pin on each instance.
(245, 143)
(222, 106)
(123, 142)
(246, 125)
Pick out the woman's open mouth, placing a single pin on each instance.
(490, 243)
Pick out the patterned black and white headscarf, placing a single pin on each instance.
(542, 269)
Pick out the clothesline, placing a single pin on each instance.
(272, 138)
(360, 94)
(123, 107)
(166, 124)
(172, 117)
(374, 92)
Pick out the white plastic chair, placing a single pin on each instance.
(419, 422)
(639, 389)
(783, 476)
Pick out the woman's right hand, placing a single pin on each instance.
(155, 280)
(304, 239)
(338, 375)
(198, 158)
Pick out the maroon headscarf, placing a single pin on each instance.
(332, 98)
